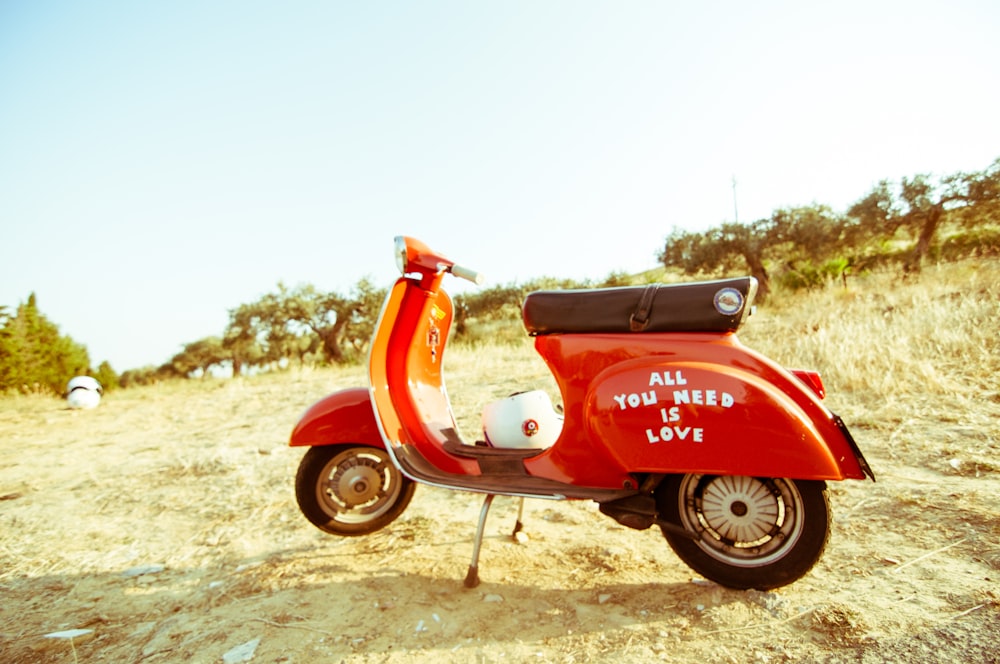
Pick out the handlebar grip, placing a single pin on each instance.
(466, 273)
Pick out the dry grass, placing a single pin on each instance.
(897, 354)
(932, 334)
(195, 477)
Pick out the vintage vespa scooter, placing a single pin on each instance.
(668, 420)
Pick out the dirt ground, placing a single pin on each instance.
(162, 526)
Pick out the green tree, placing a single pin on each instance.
(148, 375)
(339, 323)
(812, 232)
(811, 242)
(202, 355)
(368, 301)
(503, 303)
(920, 204)
(260, 333)
(805, 234)
(244, 335)
(107, 376)
(33, 354)
(7, 351)
(301, 324)
(723, 248)
(323, 315)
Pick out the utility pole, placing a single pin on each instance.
(736, 212)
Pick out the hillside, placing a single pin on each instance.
(164, 521)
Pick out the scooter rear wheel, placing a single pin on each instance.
(351, 490)
(751, 532)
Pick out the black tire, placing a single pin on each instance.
(351, 489)
(753, 532)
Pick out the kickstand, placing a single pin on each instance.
(519, 526)
(472, 578)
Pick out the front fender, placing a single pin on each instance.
(342, 417)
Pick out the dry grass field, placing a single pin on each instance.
(162, 525)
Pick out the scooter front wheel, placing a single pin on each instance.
(351, 490)
(749, 532)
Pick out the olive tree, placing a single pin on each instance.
(919, 204)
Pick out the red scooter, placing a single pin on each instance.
(668, 420)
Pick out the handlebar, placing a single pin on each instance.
(412, 255)
(467, 274)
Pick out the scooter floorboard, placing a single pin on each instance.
(500, 482)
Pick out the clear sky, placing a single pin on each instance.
(164, 162)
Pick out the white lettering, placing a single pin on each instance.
(672, 415)
(704, 398)
(635, 400)
(667, 378)
(667, 434)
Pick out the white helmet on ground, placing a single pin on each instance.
(83, 392)
(524, 420)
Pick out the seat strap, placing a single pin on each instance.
(640, 317)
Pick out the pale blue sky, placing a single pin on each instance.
(161, 163)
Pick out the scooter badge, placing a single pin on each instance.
(728, 301)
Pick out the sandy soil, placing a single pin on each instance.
(163, 523)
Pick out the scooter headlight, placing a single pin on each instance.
(400, 247)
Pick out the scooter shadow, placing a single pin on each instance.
(341, 599)
(433, 604)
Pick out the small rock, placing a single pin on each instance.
(142, 629)
(68, 634)
(143, 569)
(493, 598)
(241, 653)
(603, 598)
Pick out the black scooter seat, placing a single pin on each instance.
(703, 306)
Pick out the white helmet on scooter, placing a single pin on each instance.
(524, 420)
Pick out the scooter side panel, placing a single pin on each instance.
(342, 417)
(737, 412)
(679, 415)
